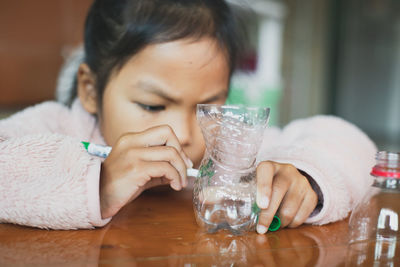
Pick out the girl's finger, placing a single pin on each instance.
(293, 200)
(307, 206)
(289, 207)
(156, 136)
(280, 187)
(265, 174)
(159, 169)
(164, 153)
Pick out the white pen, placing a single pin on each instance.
(104, 151)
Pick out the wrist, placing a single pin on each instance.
(317, 190)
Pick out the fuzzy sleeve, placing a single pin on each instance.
(334, 153)
(49, 181)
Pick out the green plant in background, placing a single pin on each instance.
(267, 97)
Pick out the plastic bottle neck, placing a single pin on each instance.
(387, 170)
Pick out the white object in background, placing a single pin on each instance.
(66, 76)
(270, 51)
(270, 35)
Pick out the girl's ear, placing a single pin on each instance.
(87, 89)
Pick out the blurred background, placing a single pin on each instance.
(305, 57)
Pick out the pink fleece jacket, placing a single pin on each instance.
(48, 180)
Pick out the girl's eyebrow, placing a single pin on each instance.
(216, 97)
(155, 89)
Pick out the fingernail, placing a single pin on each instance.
(263, 201)
(261, 229)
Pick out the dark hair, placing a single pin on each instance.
(116, 30)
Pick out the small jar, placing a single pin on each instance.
(374, 223)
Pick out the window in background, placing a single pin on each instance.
(366, 87)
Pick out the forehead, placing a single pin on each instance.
(187, 54)
(180, 64)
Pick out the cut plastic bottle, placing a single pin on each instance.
(225, 190)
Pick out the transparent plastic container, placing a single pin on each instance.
(225, 190)
(374, 223)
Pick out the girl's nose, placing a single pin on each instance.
(184, 128)
(183, 132)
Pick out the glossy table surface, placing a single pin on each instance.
(159, 229)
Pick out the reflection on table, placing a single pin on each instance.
(159, 229)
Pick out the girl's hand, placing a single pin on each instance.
(283, 190)
(139, 161)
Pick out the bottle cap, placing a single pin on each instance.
(275, 224)
(387, 165)
(377, 172)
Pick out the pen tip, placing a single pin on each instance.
(192, 172)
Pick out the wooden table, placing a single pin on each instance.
(159, 229)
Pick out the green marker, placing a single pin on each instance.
(104, 151)
(97, 150)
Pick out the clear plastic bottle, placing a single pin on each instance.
(225, 190)
(374, 223)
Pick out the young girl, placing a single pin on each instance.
(147, 64)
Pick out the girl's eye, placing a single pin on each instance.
(151, 108)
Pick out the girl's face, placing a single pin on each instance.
(162, 84)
